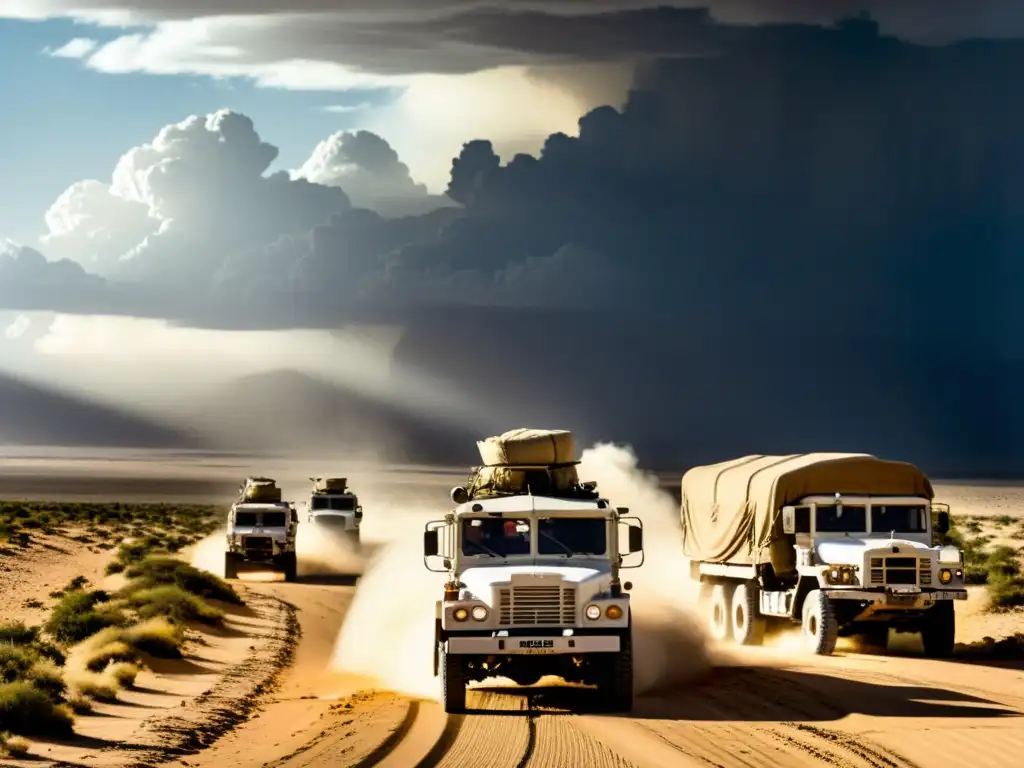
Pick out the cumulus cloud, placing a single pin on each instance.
(365, 165)
(76, 48)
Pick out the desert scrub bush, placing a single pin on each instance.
(22, 663)
(156, 637)
(1005, 592)
(158, 571)
(171, 601)
(13, 746)
(27, 711)
(16, 633)
(80, 614)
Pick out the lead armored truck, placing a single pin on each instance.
(532, 559)
(841, 544)
(261, 530)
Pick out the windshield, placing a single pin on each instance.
(336, 503)
(572, 536)
(275, 519)
(899, 518)
(245, 519)
(495, 537)
(847, 518)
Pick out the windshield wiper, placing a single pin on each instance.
(568, 550)
(486, 549)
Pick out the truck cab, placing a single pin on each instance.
(533, 589)
(261, 534)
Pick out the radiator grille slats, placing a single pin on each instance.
(536, 605)
(900, 571)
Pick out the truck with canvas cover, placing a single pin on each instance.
(841, 543)
(334, 509)
(532, 585)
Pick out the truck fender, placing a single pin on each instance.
(804, 587)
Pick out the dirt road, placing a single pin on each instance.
(755, 708)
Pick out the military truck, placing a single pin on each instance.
(841, 543)
(532, 558)
(261, 530)
(334, 509)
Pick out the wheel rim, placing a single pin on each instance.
(812, 625)
(718, 620)
(740, 618)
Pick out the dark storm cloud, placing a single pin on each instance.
(810, 240)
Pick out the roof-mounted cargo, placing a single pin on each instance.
(259, 490)
(329, 485)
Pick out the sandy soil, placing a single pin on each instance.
(264, 692)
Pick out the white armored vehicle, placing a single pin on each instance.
(533, 558)
(261, 530)
(334, 508)
(839, 543)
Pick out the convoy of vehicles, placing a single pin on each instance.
(841, 544)
(532, 558)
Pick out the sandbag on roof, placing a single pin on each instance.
(532, 447)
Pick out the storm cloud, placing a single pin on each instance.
(809, 238)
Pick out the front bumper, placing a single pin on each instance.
(903, 599)
(539, 645)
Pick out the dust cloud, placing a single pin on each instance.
(388, 631)
(670, 647)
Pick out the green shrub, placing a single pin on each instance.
(173, 602)
(28, 711)
(157, 571)
(81, 614)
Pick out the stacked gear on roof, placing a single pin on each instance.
(521, 461)
(259, 490)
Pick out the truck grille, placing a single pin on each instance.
(257, 543)
(900, 571)
(537, 605)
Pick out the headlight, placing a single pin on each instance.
(840, 574)
(479, 612)
(613, 612)
(945, 575)
(460, 614)
(593, 612)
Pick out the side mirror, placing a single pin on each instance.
(789, 519)
(430, 543)
(636, 539)
(942, 523)
(359, 511)
(309, 519)
(459, 494)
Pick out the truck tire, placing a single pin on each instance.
(820, 628)
(291, 566)
(938, 630)
(618, 683)
(230, 566)
(453, 684)
(718, 609)
(747, 622)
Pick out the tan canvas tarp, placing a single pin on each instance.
(538, 447)
(731, 512)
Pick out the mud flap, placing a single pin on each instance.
(437, 646)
